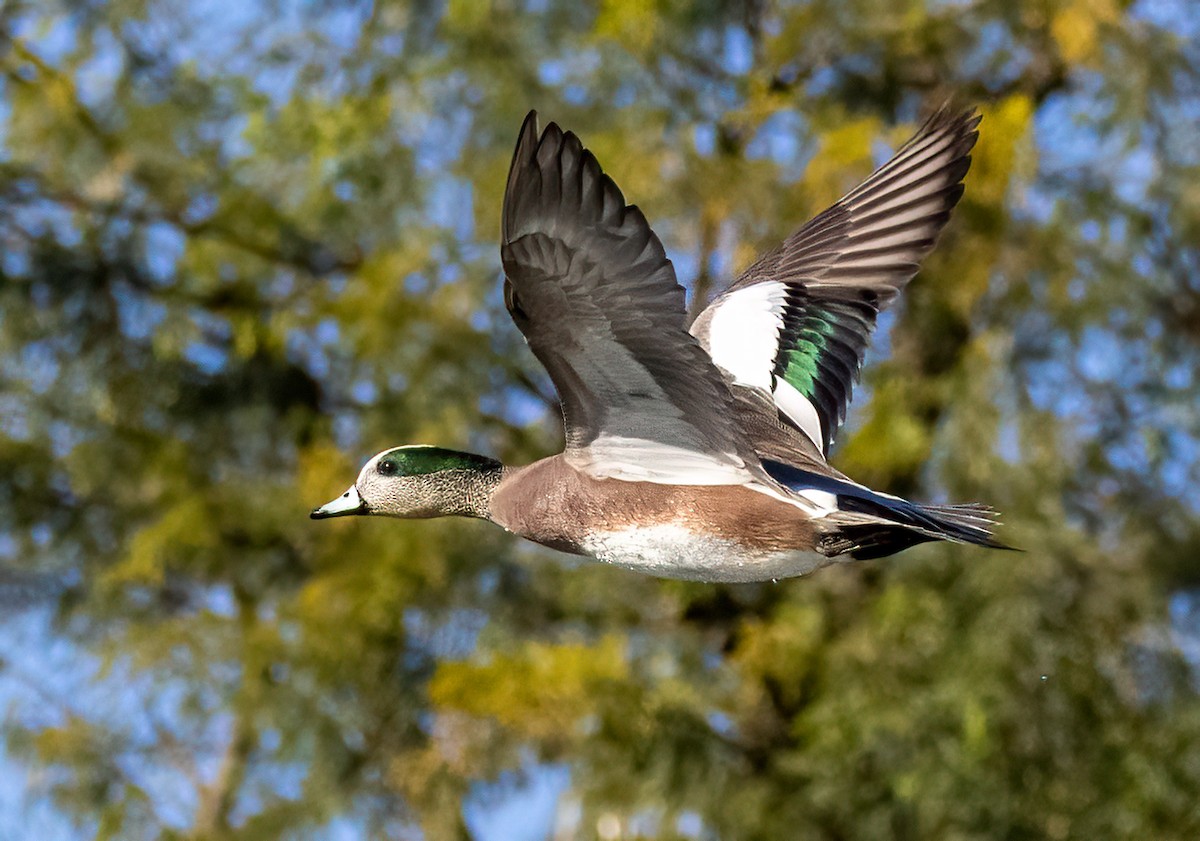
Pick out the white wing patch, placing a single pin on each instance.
(825, 501)
(799, 410)
(870, 241)
(743, 335)
(642, 460)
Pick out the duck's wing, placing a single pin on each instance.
(590, 286)
(774, 438)
(797, 322)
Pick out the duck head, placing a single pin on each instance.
(418, 481)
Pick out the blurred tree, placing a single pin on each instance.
(244, 245)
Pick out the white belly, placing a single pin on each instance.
(672, 551)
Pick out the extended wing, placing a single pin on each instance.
(590, 286)
(797, 322)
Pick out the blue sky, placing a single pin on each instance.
(45, 678)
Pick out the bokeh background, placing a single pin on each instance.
(244, 245)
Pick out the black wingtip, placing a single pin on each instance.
(527, 140)
(951, 117)
(528, 134)
(952, 112)
(554, 180)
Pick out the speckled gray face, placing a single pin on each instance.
(417, 482)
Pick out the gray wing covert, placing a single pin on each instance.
(589, 285)
(798, 321)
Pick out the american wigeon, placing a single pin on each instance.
(694, 452)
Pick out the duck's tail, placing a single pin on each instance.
(865, 529)
(866, 524)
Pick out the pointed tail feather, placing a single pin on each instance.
(868, 524)
(865, 531)
(969, 523)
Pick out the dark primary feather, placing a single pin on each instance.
(590, 286)
(849, 263)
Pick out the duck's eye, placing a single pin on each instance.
(387, 468)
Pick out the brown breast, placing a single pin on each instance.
(552, 503)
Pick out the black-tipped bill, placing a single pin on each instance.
(346, 504)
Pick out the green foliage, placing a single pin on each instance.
(242, 252)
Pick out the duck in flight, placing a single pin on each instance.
(694, 451)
